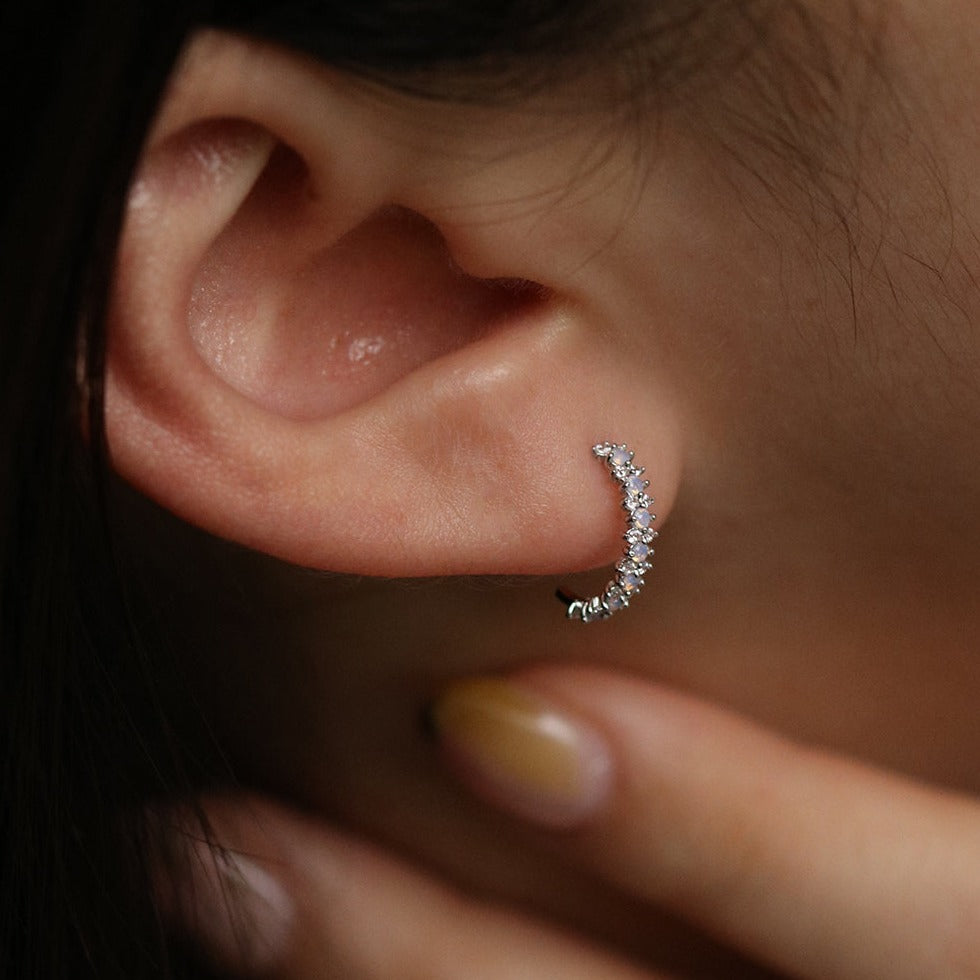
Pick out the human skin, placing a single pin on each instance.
(782, 329)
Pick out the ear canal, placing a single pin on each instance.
(307, 324)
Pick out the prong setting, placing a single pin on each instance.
(639, 537)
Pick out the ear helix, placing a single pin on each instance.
(638, 537)
(281, 230)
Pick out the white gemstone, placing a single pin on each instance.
(620, 456)
(639, 551)
(630, 582)
(642, 518)
(635, 484)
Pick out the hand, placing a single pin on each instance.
(817, 866)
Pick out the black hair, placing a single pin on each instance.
(87, 736)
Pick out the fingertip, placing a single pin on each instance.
(519, 752)
(214, 889)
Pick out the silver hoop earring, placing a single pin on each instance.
(638, 537)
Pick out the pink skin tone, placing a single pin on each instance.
(793, 360)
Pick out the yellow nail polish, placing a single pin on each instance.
(517, 751)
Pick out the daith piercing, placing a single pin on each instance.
(638, 537)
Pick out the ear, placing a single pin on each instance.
(333, 340)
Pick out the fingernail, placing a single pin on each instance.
(231, 907)
(519, 752)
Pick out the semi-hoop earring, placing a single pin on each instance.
(638, 538)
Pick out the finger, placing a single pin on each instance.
(819, 866)
(285, 897)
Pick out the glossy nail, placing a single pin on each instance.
(519, 752)
(233, 909)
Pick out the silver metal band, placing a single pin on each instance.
(638, 537)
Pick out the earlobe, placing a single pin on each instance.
(297, 363)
